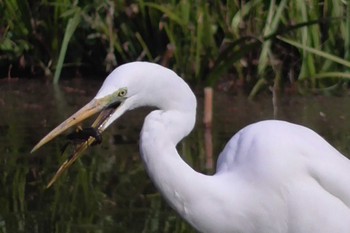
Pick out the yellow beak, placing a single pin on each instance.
(93, 107)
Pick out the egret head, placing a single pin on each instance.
(130, 86)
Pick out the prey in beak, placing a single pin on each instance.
(110, 108)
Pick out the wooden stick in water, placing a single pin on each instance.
(207, 120)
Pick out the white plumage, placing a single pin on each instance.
(271, 177)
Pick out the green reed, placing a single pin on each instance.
(251, 43)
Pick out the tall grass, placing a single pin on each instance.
(247, 44)
(72, 24)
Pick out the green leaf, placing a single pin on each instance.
(70, 29)
(316, 52)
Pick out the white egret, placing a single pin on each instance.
(272, 176)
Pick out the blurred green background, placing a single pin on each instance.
(108, 189)
(298, 46)
(296, 52)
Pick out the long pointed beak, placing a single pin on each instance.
(93, 107)
(108, 114)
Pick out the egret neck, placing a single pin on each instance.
(174, 178)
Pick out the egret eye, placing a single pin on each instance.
(122, 92)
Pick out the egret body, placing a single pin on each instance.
(272, 176)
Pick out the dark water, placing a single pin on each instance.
(108, 190)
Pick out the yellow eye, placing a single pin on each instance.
(122, 92)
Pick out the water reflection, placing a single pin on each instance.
(108, 189)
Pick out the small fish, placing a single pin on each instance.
(83, 134)
(81, 139)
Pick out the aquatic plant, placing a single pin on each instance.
(251, 45)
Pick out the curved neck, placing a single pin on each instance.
(175, 179)
(185, 189)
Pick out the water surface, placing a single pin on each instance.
(108, 190)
